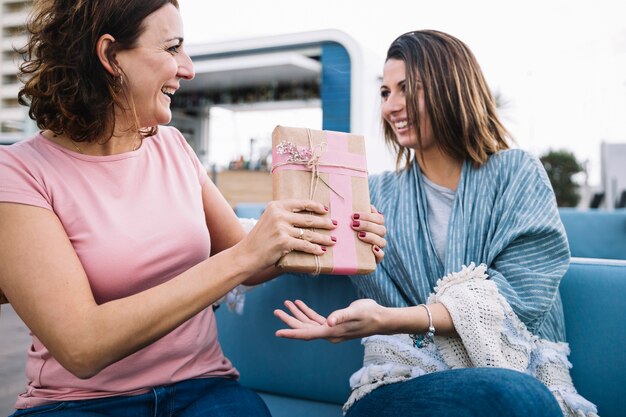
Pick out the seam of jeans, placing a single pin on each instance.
(156, 402)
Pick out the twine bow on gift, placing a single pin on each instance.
(310, 158)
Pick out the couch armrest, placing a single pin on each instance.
(594, 302)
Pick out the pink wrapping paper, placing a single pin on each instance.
(328, 167)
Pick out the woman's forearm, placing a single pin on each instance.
(414, 320)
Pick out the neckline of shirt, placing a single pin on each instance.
(91, 158)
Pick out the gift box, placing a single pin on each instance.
(330, 168)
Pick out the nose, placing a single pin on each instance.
(394, 103)
(185, 66)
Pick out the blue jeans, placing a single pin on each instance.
(471, 392)
(219, 397)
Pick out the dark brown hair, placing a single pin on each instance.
(65, 85)
(462, 110)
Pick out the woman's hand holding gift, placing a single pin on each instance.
(285, 226)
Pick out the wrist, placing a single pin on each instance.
(241, 261)
(423, 339)
(409, 320)
(396, 320)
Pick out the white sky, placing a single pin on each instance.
(561, 64)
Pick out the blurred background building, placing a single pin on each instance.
(319, 79)
(13, 120)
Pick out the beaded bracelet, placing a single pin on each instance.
(423, 340)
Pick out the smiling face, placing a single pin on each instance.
(395, 112)
(154, 67)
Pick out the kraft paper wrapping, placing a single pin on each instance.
(328, 167)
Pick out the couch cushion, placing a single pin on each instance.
(281, 406)
(594, 301)
(595, 233)
(316, 370)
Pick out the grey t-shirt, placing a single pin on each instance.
(440, 201)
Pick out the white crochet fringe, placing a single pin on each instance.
(490, 335)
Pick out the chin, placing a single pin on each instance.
(407, 142)
(164, 119)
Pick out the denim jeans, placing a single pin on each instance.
(471, 392)
(219, 397)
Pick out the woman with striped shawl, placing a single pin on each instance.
(463, 316)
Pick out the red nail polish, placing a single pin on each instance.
(335, 222)
(333, 238)
(356, 216)
(376, 248)
(325, 208)
(356, 223)
(324, 248)
(361, 234)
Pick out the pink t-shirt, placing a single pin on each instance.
(135, 220)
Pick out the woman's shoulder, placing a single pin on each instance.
(170, 140)
(513, 161)
(25, 172)
(512, 158)
(25, 152)
(516, 165)
(168, 135)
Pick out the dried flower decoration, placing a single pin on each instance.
(296, 153)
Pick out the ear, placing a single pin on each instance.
(105, 54)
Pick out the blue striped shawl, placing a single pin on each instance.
(504, 215)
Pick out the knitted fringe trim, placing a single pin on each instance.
(401, 345)
(546, 352)
(573, 404)
(466, 273)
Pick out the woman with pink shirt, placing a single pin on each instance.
(114, 243)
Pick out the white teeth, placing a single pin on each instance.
(168, 91)
(402, 124)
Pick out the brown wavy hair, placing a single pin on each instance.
(461, 107)
(65, 85)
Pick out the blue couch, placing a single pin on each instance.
(304, 379)
(595, 233)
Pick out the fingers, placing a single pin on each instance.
(285, 227)
(305, 324)
(312, 236)
(378, 217)
(290, 321)
(378, 253)
(304, 313)
(370, 229)
(310, 221)
(312, 333)
(300, 205)
(312, 314)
